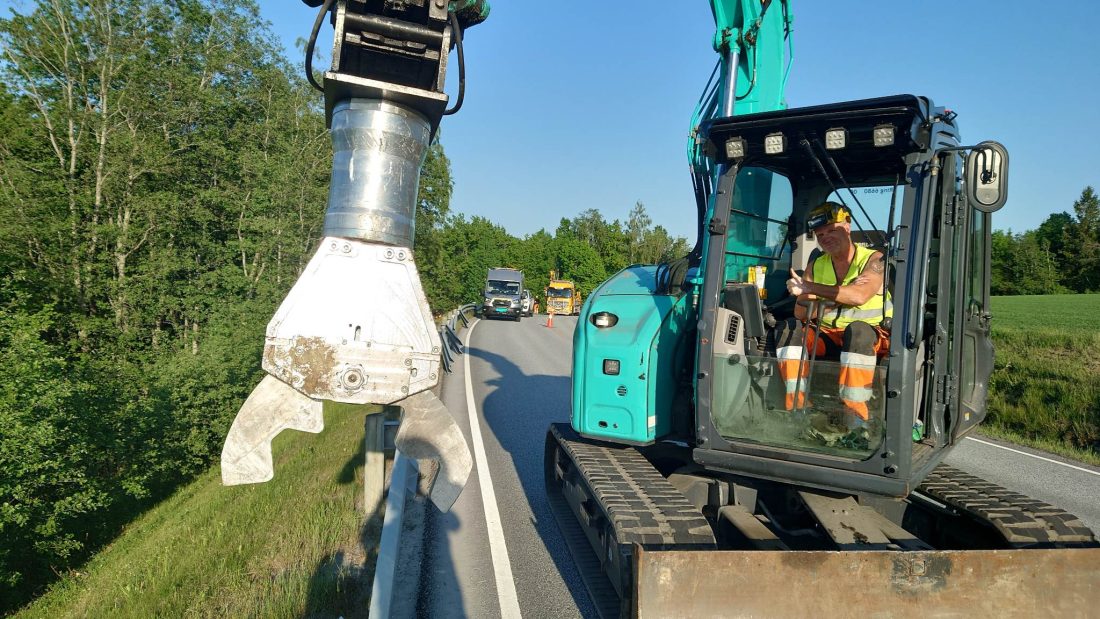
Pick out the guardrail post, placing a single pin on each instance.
(374, 470)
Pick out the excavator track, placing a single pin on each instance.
(635, 540)
(1021, 520)
(619, 500)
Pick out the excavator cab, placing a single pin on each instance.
(877, 157)
(895, 163)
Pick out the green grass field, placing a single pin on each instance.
(295, 546)
(1045, 389)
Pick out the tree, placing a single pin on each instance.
(163, 177)
(535, 256)
(1052, 232)
(579, 261)
(1034, 266)
(1003, 244)
(1082, 243)
(1023, 264)
(637, 227)
(432, 208)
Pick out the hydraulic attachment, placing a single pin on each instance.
(356, 326)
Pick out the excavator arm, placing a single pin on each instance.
(755, 49)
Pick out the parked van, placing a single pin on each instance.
(527, 303)
(503, 294)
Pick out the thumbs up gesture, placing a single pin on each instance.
(795, 285)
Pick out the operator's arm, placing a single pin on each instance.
(801, 311)
(862, 288)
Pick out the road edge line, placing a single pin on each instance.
(1024, 453)
(498, 549)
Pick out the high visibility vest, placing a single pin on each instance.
(841, 316)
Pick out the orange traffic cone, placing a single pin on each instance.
(550, 320)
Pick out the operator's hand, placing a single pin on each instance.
(795, 285)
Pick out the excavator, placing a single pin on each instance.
(690, 483)
(683, 484)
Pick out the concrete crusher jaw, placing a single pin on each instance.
(356, 327)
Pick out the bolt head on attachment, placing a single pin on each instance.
(352, 379)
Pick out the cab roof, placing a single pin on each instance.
(859, 159)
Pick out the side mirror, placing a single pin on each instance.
(986, 176)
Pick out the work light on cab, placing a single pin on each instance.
(884, 135)
(603, 320)
(735, 148)
(836, 139)
(775, 143)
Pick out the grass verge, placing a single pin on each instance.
(295, 546)
(1045, 388)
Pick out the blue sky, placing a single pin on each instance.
(576, 105)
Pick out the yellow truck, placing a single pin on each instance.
(562, 297)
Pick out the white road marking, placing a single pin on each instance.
(498, 550)
(1024, 453)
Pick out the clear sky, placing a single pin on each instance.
(575, 105)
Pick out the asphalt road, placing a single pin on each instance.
(498, 553)
(520, 384)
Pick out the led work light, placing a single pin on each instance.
(884, 135)
(775, 143)
(735, 148)
(836, 139)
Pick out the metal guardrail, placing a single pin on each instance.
(403, 483)
(448, 333)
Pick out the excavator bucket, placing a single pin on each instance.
(924, 584)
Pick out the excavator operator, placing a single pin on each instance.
(840, 313)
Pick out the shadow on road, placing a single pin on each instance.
(439, 587)
(519, 411)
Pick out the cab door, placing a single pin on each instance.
(975, 350)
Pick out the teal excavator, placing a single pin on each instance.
(689, 484)
(684, 484)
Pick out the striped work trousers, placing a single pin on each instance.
(857, 346)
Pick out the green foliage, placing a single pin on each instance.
(586, 249)
(44, 481)
(580, 262)
(1061, 255)
(162, 179)
(1082, 242)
